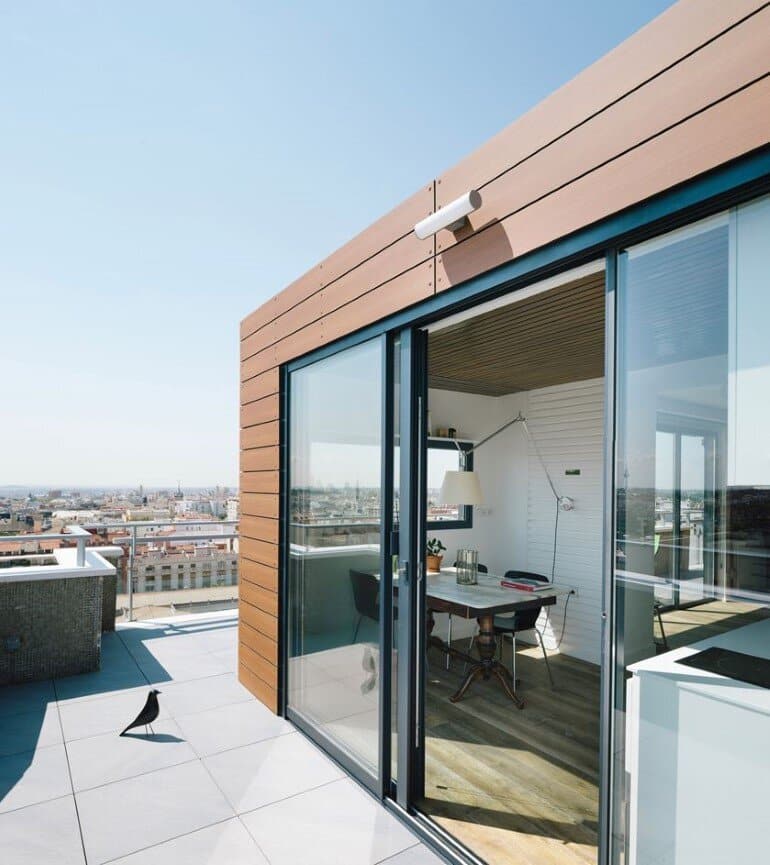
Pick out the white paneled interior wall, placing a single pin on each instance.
(567, 422)
(514, 528)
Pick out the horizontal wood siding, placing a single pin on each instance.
(686, 94)
(259, 527)
(672, 36)
(260, 574)
(259, 504)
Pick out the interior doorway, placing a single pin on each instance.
(515, 398)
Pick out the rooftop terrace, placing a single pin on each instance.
(222, 780)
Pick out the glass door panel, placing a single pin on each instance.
(692, 566)
(335, 549)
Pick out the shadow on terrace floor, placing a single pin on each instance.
(135, 656)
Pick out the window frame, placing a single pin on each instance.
(466, 511)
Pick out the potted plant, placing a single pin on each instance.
(434, 558)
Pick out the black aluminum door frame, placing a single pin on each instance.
(411, 567)
(379, 782)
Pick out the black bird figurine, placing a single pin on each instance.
(148, 714)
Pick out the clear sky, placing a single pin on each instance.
(167, 166)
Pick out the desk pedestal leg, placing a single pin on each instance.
(488, 665)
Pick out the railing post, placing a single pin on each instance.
(130, 574)
(81, 553)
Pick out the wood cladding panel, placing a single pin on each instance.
(393, 260)
(258, 642)
(403, 291)
(378, 270)
(307, 339)
(262, 411)
(263, 528)
(259, 574)
(261, 667)
(681, 29)
(262, 599)
(264, 435)
(260, 386)
(259, 459)
(298, 290)
(299, 316)
(258, 363)
(729, 129)
(259, 504)
(265, 693)
(702, 79)
(259, 551)
(259, 482)
(258, 619)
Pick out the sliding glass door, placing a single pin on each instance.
(692, 546)
(687, 652)
(338, 519)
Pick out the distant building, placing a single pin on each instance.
(147, 514)
(185, 568)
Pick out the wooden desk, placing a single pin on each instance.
(482, 602)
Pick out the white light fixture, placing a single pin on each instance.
(460, 488)
(451, 216)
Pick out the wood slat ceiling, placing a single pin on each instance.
(548, 339)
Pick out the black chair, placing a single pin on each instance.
(524, 620)
(366, 598)
(482, 569)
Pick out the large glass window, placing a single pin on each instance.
(692, 546)
(335, 517)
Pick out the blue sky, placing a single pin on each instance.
(166, 167)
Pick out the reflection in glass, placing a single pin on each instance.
(334, 557)
(692, 547)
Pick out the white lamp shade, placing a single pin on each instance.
(460, 488)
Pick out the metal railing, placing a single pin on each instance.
(84, 535)
(80, 535)
(131, 541)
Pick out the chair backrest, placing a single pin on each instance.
(525, 620)
(366, 593)
(482, 569)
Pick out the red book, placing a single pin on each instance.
(528, 586)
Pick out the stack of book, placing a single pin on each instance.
(524, 584)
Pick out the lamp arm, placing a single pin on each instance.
(523, 421)
(518, 419)
(542, 461)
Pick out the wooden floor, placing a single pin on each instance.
(516, 786)
(688, 626)
(521, 787)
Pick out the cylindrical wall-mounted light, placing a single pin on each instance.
(451, 216)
